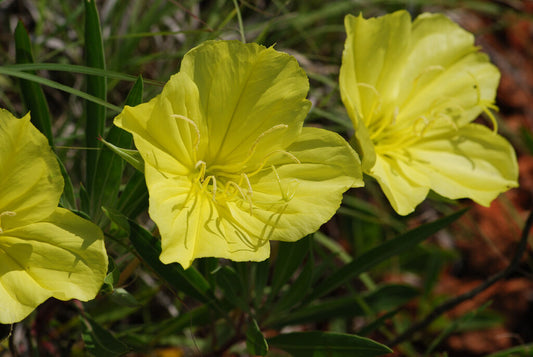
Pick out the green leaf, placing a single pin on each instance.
(96, 86)
(99, 341)
(327, 344)
(134, 199)
(135, 96)
(256, 345)
(518, 351)
(68, 199)
(118, 219)
(47, 82)
(382, 299)
(131, 156)
(297, 290)
(84, 200)
(377, 323)
(198, 316)
(189, 281)
(123, 298)
(290, 256)
(527, 138)
(67, 67)
(228, 281)
(113, 274)
(393, 247)
(391, 296)
(32, 93)
(110, 166)
(261, 273)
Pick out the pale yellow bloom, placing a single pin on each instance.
(412, 90)
(45, 251)
(227, 163)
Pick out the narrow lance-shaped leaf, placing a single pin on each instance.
(234, 291)
(386, 250)
(290, 255)
(73, 68)
(134, 199)
(8, 71)
(255, 341)
(297, 291)
(322, 344)
(110, 166)
(68, 199)
(385, 298)
(32, 93)
(100, 341)
(96, 86)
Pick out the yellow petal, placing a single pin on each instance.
(404, 184)
(62, 256)
(473, 162)
(374, 51)
(136, 121)
(444, 68)
(246, 93)
(30, 179)
(293, 198)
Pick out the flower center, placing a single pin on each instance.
(392, 134)
(5, 213)
(231, 181)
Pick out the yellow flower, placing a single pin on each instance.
(45, 251)
(227, 163)
(412, 91)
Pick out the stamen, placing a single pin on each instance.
(284, 195)
(426, 70)
(395, 115)
(205, 183)
(250, 191)
(239, 190)
(261, 136)
(485, 104)
(421, 120)
(491, 116)
(265, 159)
(195, 126)
(203, 166)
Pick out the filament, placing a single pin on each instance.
(194, 125)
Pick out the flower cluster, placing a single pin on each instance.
(229, 166)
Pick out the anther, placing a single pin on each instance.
(203, 166)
